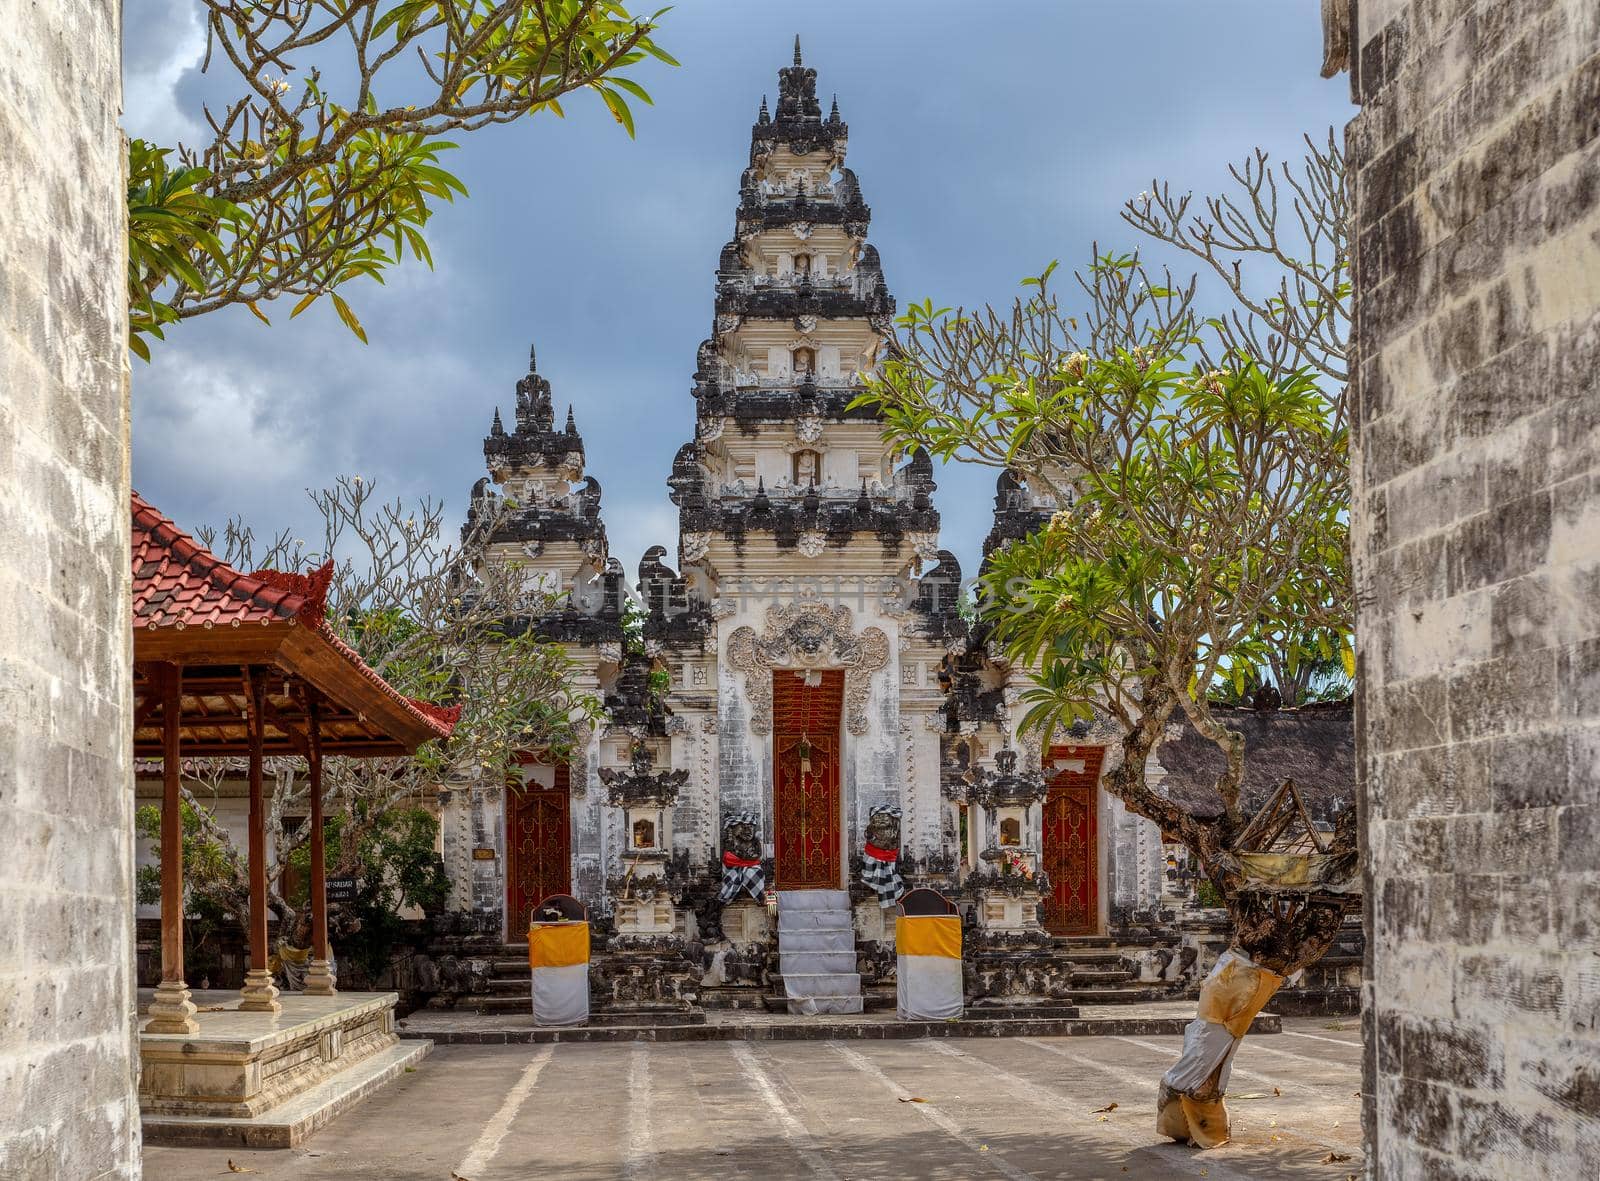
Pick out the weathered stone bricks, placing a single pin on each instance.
(67, 1101)
(1475, 166)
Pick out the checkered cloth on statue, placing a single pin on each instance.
(740, 875)
(881, 871)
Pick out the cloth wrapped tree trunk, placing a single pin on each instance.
(1189, 1105)
(928, 983)
(558, 953)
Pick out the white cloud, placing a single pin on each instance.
(163, 40)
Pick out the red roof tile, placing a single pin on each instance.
(178, 583)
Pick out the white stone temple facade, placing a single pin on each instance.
(806, 666)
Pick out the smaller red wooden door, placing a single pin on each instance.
(1071, 850)
(538, 847)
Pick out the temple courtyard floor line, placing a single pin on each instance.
(1017, 1108)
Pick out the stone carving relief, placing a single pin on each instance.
(808, 635)
(808, 429)
(812, 543)
(694, 546)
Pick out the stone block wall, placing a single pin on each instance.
(1476, 167)
(67, 1100)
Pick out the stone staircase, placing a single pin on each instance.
(817, 952)
(510, 981)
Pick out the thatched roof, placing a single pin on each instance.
(1314, 745)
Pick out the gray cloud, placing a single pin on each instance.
(985, 146)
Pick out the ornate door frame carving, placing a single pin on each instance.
(808, 636)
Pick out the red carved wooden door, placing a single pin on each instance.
(805, 744)
(1071, 852)
(538, 847)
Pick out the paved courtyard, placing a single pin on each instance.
(1017, 1108)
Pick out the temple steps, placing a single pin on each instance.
(817, 974)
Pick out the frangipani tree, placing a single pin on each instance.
(1202, 465)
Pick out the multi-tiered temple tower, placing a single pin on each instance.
(804, 695)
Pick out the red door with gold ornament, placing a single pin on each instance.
(806, 708)
(1071, 848)
(538, 847)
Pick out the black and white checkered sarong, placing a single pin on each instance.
(741, 879)
(883, 877)
(737, 879)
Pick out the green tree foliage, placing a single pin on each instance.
(300, 190)
(1199, 464)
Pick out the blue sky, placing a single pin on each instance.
(989, 139)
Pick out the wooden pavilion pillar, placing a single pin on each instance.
(320, 978)
(171, 1011)
(259, 993)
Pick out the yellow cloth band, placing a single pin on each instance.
(928, 935)
(1235, 995)
(558, 945)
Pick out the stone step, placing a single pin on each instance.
(506, 1004)
(1116, 996)
(822, 984)
(811, 920)
(791, 900)
(817, 939)
(816, 1006)
(810, 962)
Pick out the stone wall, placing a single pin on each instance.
(67, 1102)
(1476, 165)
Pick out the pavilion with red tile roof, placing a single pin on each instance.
(234, 664)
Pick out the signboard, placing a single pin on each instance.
(341, 889)
(481, 853)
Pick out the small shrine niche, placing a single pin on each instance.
(804, 361)
(1010, 827)
(807, 468)
(645, 797)
(643, 830)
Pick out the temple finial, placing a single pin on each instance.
(764, 117)
(797, 49)
(572, 423)
(533, 360)
(497, 427)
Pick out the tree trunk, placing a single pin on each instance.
(1274, 937)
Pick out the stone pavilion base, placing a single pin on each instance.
(264, 1080)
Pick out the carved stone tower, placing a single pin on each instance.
(802, 532)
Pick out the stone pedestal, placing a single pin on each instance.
(1008, 913)
(746, 921)
(259, 994)
(874, 923)
(320, 980)
(172, 1010)
(652, 917)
